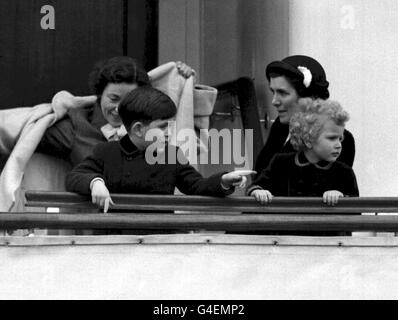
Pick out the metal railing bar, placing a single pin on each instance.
(212, 204)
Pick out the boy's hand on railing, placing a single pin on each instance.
(262, 196)
(100, 195)
(332, 197)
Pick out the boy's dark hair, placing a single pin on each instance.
(116, 70)
(146, 104)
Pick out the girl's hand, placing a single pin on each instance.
(100, 195)
(262, 196)
(332, 197)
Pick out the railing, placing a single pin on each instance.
(229, 214)
(213, 204)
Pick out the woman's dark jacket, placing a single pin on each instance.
(74, 137)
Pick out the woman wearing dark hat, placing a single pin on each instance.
(293, 81)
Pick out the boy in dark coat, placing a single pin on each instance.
(127, 166)
(316, 133)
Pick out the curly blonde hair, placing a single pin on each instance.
(306, 125)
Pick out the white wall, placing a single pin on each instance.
(228, 267)
(357, 42)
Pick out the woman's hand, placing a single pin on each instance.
(185, 70)
(332, 197)
(63, 101)
(262, 196)
(100, 195)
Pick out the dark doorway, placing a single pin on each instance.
(35, 63)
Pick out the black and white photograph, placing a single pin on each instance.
(198, 154)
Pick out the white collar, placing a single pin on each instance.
(113, 134)
(307, 163)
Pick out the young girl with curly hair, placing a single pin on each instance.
(316, 133)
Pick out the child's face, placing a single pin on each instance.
(328, 145)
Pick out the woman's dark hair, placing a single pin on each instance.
(146, 104)
(117, 70)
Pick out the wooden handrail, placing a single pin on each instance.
(214, 205)
(227, 222)
(215, 213)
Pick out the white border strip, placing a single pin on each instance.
(199, 238)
